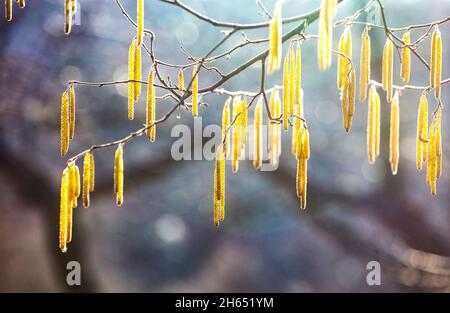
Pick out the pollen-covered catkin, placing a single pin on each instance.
(406, 58)
(22, 3)
(365, 65)
(8, 10)
(327, 12)
(422, 132)
(388, 63)
(291, 81)
(377, 124)
(303, 154)
(225, 127)
(438, 140)
(71, 111)
(371, 125)
(298, 112)
(258, 135)
(298, 74)
(236, 135)
(345, 56)
(64, 123)
(243, 122)
(432, 158)
(180, 80)
(86, 179)
(118, 175)
(286, 92)
(67, 16)
(222, 186)
(394, 152)
(137, 72)
(140, 21)
(194, 91)
(219, 187)
(275, 40)
(274, 128)
(64, 204)
(436, 62)
(151, 107)
(131, 85)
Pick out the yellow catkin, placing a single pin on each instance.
(67, 16)
(222, 185)
(151, 107)
(341, 60)
(216, 194)
(194, 91)
(74, 6)
(438, 140)
(225, 127)
(371, 120)
(64, 123)
(327, 12)
(73, 193)
(303, 154)
(298, 74)
(377, 123)
(8, 10)
(365, 65)
(432, 158)
(92, 172)
(273, 127)
(394, 152)
(436, 62)
(22, 3)
(140, 21)
(406, 59)
(422, 132)
(236, 135)
(118, 175)
(71, 112)
(63, 211)
(388, 62)
(131, 85)
(275, 39)
(137, 71)
(243, 122)
(258, 135)
(291, 81)
(180, 81)
(86, 179)
(286, 92)
(298, 112)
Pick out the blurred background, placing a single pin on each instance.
(163, 238)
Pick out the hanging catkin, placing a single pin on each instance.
(377, 124)
(388, 62)
(291, 81)
(236, 135)
(64, 123)
(151, 107)
(180, 80)
(219, 186)
(86, 179)
(274, 128)
(225, 127)
(371, 125)
(286, 92)
(118, 175)
(194, 91)
(131, 84)
(345, 56)
(67, 16)
(394, 153)
(298, 112)
(63, 210)
(71, 111)
(365, 65)
(22, 3)
(406, 58)
(438, 144)
(303, 154)
(327, 12)
(258, 135)
(436, 62)
(275, 39)
(244, 122)
(298, 74)
(137, 71)
(140, 21)
(422, 132)
(432, 158)
(8, 10)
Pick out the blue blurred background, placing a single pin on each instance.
(163, 238)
